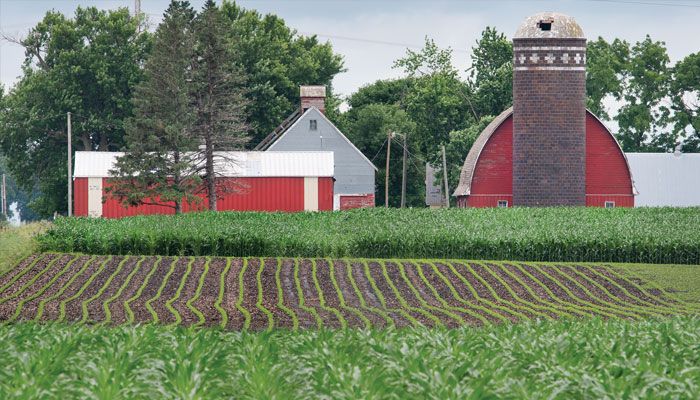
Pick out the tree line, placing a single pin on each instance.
(236, 77)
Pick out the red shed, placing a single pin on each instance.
(269, 181)
(487, 174)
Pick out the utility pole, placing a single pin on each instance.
(4, 196)
(386, 177)
(137, 14)
(444, 171)
(70, 169)
(403, 174)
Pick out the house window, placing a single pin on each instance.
(502, 203)
(609, 204)
(312, 125)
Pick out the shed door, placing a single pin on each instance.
(311, 194)
(95, 197)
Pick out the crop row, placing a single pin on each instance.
(644, 235)
(259, 294)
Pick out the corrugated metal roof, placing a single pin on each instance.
(666, 179)
(95, 164)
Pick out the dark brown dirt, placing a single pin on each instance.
(631, 288)
(523, 296)
(331, 296)
(74, 309)
(577, 288)
(350, 297)
(26, 277)
(34, 288)
(511, 302)
(96, 311)
(188, 292)
(599, 293)
(21, 267)
(464, 292)
(236, 319)
(30, 309)
(290, 296)
(270, 298)
(445, 294)
(117, 307)
(311, 297)
(419, 292)
(210, 293)
(138, 306)
(371, 299)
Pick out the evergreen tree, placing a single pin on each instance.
(158, 165)
(219, 100)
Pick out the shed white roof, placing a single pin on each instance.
(97, 164)
(666, 179)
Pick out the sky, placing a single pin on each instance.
(370, 35)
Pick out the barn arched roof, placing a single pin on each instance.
(465, 178)
(467, 174)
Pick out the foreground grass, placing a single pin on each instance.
(559, 360)
(642, 235)
(17, 243)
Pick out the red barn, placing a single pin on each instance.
(274, 181)
(487, 174)
(547, 150)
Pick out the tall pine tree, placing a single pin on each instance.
(158, 165)
(218, 93)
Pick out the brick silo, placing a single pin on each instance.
(549, 112)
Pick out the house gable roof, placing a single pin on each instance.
(316, 112)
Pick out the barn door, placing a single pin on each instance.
(311, 194)
(95, 197)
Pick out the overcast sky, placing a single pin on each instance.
(372, 34)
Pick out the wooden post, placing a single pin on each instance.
(403, 174)
(386, 176)
(70, 169)
(4, 196)
(444, 171)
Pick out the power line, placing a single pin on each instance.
(373, 41)
(647, 3)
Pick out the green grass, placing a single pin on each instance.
(17, 243)
(570, 359)
(685, 279)
(641, 235)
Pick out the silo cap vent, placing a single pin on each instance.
(549, 25)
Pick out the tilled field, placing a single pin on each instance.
(258, 294)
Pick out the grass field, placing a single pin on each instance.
(262, 294)
(642, 235)
(18, 243)
(572, 359)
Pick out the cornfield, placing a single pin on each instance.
(570, 359)
(642, 235)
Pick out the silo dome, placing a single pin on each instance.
(549, 25)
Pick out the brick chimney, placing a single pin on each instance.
(313, 96)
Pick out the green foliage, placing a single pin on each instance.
(651, 235)
(685, 89)
(156, 167)
(87, 65)
(491, 78)
(563, 359)
(277, 61)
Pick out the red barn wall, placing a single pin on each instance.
(255, 194)
(80, 196)
(348, 202)
(493, 174)
(607, 174)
